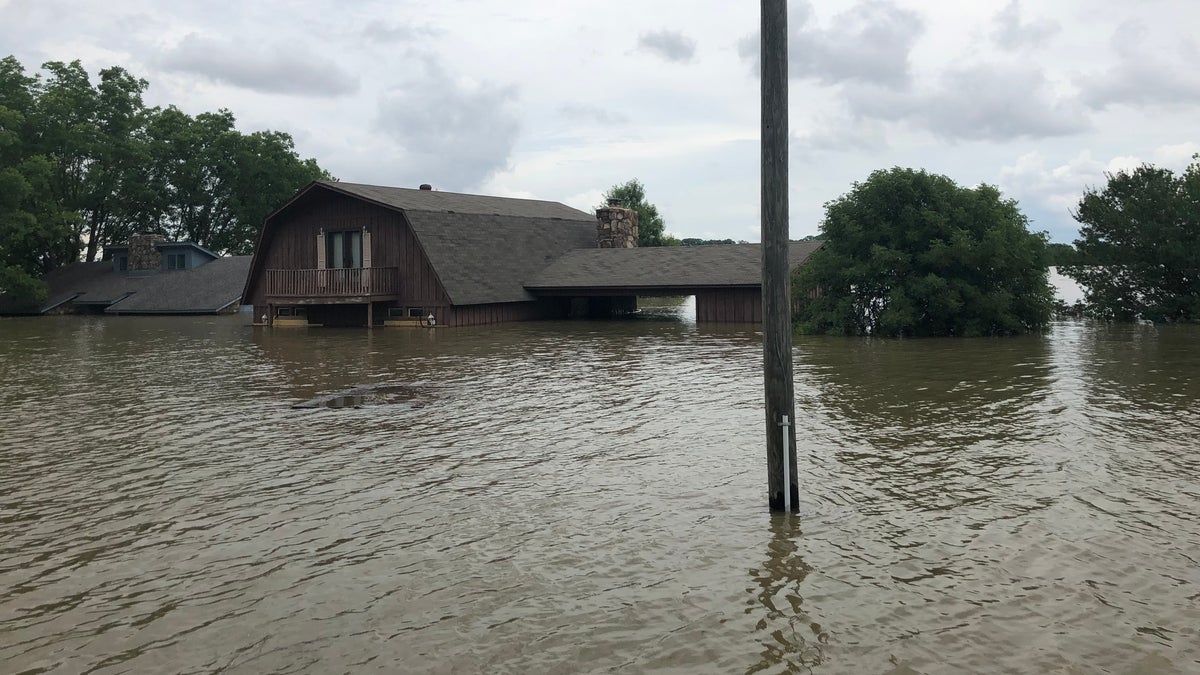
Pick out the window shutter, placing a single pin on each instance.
(366, 259)
(321, 258)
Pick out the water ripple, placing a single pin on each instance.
(588, 498)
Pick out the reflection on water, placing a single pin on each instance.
(789, 637)
(588, 497)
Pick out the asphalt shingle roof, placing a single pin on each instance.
(663, 266)
(208, 288)
(407, 199)
(483, 259)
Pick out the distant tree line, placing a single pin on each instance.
(1060, 255)
(85, 164)
(693, 241)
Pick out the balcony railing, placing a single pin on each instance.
(333, 283)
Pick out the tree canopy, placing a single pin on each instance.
(909, 253)
(84, 164)
(695, 241)
(1139, 246)
(1061, 254)
(632, 195)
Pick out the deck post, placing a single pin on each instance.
(776, 284)
(370, 314)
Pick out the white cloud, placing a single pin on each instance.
(276, 68)
(982, 102)
(669, 44)
(453, 132)
(1148, 71)
(870, 42)
(1011, 33)
(584, 112)
(1177, 156)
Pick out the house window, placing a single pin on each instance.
(176, 261)
(123, 263)
(343, 249)
(416, 312)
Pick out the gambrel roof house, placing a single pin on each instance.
(349, 254)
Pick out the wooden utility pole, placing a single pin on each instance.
(776, 283)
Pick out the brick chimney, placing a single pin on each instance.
(143, 256)
(616, 226)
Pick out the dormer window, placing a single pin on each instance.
(122, 263)
(176, 261)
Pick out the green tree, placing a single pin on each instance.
(908, 253)
(36, 233)
(693, 241)
(632, 195)
(1139, 246)
(208, 183)
(83, 165)
(1060, 255)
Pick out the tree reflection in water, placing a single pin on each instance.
(790, 637)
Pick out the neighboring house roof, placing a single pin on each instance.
(481, 248)
(92, 283)
(162, 245)
(682, 267)
(207, 289)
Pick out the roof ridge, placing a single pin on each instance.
(442, 194)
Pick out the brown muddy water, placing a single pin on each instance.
(589, 497)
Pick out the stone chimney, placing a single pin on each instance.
(143, 256)
(616, 226)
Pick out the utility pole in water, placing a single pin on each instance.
(776, 284)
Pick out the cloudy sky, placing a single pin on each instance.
(561, 100)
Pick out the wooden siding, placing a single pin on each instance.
(291, 244)
(734, 305)
(482, 315)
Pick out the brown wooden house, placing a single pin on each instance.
(356, 255)
(348, 254)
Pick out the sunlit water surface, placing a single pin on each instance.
(589, 497)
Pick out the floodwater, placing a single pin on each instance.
(590, 497)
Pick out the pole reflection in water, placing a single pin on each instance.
(788, 635)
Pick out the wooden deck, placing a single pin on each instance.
(305, 286)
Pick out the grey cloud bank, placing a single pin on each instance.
(555, 101)
(278, 68)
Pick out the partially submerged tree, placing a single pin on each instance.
(632, 195)
(908, 253)
(1139, 246)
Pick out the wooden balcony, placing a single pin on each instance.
(350, 284)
